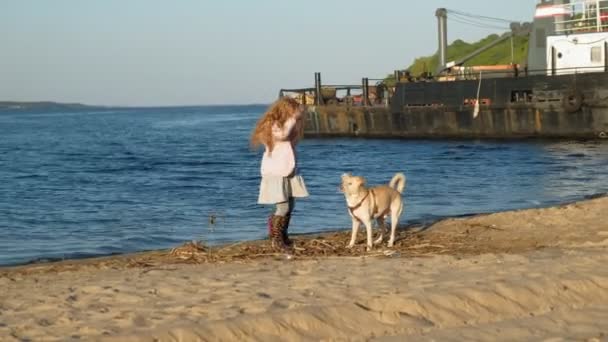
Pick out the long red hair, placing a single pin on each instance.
(278, 113)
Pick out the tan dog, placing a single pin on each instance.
(366, 204)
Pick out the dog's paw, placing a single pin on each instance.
(368, 248)
(391, 244)
(350, 245)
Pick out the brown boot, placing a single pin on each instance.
(278, 229)
(284, 233)
(271, 230)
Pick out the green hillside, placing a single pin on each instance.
(499, 54)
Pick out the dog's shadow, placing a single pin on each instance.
(403, 232)
(421, 226)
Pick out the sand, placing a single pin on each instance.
(537, 274)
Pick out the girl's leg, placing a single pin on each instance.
(292, 204)
(283, 208)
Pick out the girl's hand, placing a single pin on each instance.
(299, 114)
(282, 133)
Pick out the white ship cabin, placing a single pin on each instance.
(580, 41)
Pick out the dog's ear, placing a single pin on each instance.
(346, 174)
(361, 181)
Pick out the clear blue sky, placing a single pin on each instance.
(152, 52)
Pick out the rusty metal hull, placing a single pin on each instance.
(567, 106)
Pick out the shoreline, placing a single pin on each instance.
(513, 275)
(403, 232)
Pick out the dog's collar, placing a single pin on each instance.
(360, 203)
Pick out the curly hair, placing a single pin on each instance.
(278, 113)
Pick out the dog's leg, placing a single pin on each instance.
(395, 214)
(394, 220)
(368, 228)
(380, 221)
(355, 230)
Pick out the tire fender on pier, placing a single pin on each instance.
(572, 101)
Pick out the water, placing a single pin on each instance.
(93, 183)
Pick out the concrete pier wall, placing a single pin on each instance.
(427, 122)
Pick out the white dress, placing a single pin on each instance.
(279, 173)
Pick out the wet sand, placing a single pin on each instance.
(537, 274)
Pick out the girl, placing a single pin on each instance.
(279, 130)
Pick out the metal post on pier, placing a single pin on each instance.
(397, 76)
(318, 96)
(442, 35)
(365, 86)
(553, 60)
(606, 56)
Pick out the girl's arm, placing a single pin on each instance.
(296, 131)
(282, 133)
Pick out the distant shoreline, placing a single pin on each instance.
(51, 105)
(22, 105)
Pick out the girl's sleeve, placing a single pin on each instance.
(282, 133)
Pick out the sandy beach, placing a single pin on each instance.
(537, 274)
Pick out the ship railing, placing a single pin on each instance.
(581, 17)
(474, 75)
(574, 70)
(362, 94)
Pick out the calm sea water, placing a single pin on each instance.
(93, 183)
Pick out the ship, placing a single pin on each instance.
(561, 91)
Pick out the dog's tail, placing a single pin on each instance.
(398, 182)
